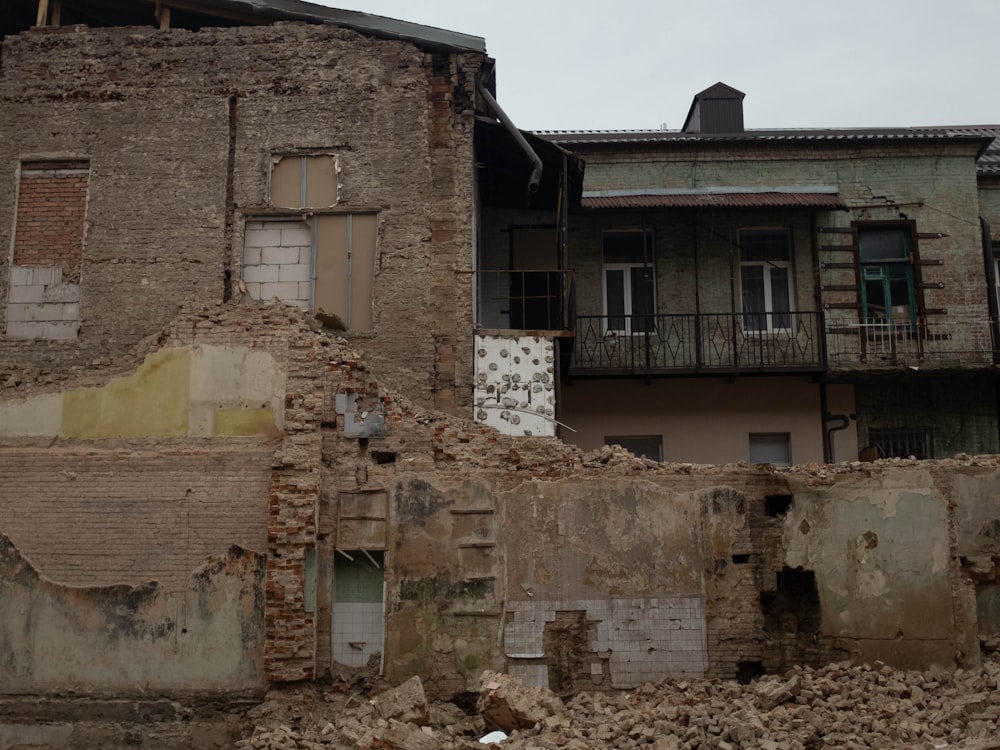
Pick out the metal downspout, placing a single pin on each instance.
(536, 172)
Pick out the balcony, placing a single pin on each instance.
(697, 343)
(940, 342)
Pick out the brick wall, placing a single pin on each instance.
(158, 115)
(51, 204)
(43, 298)
(99, 516)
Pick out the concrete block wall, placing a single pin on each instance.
(40, 305)
(43, 296)
(278, 262)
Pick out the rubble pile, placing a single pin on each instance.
(839, 706)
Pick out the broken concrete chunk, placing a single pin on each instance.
(507, 704)
(405, 703)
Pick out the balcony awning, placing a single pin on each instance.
(762, 199)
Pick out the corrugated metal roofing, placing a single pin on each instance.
(607, 137)
(705, 200)
(989, 158)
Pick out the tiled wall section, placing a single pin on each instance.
(40, 305)
(278, 261)
(358, 632)
(515, 384)
(642, 640)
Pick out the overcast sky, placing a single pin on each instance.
(635, 64)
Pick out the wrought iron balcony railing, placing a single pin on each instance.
(697, 343)
(933, 341)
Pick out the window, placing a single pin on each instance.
(643, 446)
(304, 181)
(629, 285)
(895, 443)
(888, 295)
(996, 273)
(771, 448)
(43, 300)
(766, 280)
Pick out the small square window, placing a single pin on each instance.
(771, 448)
(643, 446)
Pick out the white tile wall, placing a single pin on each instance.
(358, 632)
(643, 640)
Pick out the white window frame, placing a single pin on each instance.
(627, 292)
(769, 312)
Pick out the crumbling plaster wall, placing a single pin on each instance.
(179, 129)
(135, 551)
(574, 570)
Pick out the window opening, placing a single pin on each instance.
(643, 446)
(777, 506)
(900, 443)
(358, 606)
(766, 280)
(771, 448)
(629, 282)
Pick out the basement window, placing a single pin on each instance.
(893, 443)
(771, 448)
(643, 446)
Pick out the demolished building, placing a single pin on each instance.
(205, 488)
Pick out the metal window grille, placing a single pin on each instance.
(891, 443)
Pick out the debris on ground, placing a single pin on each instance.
(838, 706)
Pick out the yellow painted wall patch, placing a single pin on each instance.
(152, 402)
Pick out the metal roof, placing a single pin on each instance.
(19, 15)
(607, 137)
(707, 200)
(297, 10)
(988, 136)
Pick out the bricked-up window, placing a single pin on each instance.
(324, 263)
(304, 181)
(43, 299)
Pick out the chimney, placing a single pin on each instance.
(717, 109)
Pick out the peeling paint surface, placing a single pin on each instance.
(153, 401)
(57, 637)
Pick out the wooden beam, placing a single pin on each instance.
(164, 19)
(43, 13)
(57, 12)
